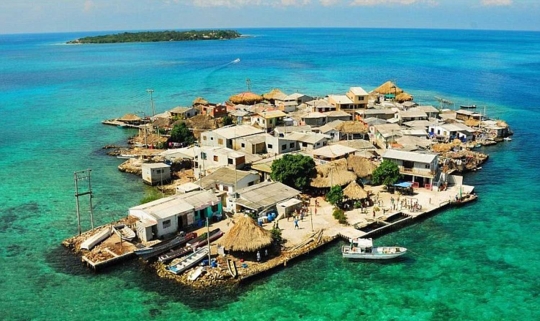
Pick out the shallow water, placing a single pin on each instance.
(478, 262)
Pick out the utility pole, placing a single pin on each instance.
(248, 83)
(151, 91)
(79, 176)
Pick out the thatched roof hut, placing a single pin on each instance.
(354, 191)
(245, 236)
(472, 122)
(402, 97)
(388, 88)
(247, 98)
(130, 118)
(200, 101)
(352, 127)
(274, 94)
(361, 166)
(332, 174)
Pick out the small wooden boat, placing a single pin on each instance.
(124, 232)
(196, 273)
(465, 199)
(189, 261)
(231, 266)
(360, 248)
(148, 253)
(193, 244)
(467, 106)
(96, 238)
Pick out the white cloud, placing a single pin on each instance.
(391, 2)
(497, 2)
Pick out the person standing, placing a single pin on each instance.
(258, 256)
(296, 223)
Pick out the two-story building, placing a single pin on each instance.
(209, 158)
(380, 113)
(358, 97)
(226, 136)
(268, 120)
(281, 145)
(341, 102)
(213, 110)
(419, 168)
(308, 141)
(385, 134)
(225, 181)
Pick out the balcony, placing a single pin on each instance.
(423, 172)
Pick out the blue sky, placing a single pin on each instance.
(28, 16)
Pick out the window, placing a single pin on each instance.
(166, 223)
(270, 146)
(214, 208)
(284, 146)
(216, 158)
(220, 141)
(204, 138)
(291, 145)
(243, 145)
(203, 155)
(304, 144)
(230, 161)
(251, 183)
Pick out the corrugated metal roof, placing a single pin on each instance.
(266, 194)
(408, 156)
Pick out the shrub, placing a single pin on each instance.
(340, 216)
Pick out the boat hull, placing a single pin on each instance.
(189, 261)
(377, 253)
(152, 252)
(95, 239)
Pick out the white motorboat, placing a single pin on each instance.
(360, 248)
(188, 261)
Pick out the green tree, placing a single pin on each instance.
(294, 170)
(181, 134)
(227, 120)
(335, 195)
(387, 173)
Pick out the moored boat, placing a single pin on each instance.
(465, 199)
(126, 233)
(189, 261)
(467, 106)
(148, 253)
(191, 245)
(360, 248)
(96, 238)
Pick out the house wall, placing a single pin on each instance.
(155, 176)
(278, 145)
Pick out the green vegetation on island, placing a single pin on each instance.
(155, 36)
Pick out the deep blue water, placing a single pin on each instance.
(479, 262)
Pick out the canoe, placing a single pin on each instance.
(124, 232)
(192, 245)
(96, 238)
(189, 261)
(152, 252)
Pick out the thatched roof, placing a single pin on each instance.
(332, 174)
(130, 118)
(388, 88)
(273, 94)
(200, 101)
(246, 236)
(361, 166)
(404, 97)
(354, 191)
(472, 122)
(352, 127)
(247, 98)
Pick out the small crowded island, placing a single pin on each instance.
(158, 36)
(245, 187)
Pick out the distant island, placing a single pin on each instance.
(155, 36)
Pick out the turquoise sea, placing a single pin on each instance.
(479, 262)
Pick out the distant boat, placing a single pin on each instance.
(148, 253)
(360, 248)
(189, 261)
(235, 61)
(467, 106)
(125, 232)
(465, 199)
(95, 239)
(507, 139)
